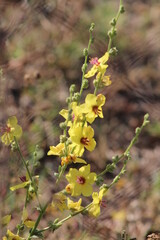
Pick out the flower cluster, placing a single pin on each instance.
(78, 136)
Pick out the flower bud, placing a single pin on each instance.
(63, 125)
(137, 131)
(112, 32)
(14, 146)
(122, 10)
(68, 142)
(76, 96)
(95, 83)
(56, 174)
(113, 51)
(85, 52)
(31, 189)
(68, 100)
(85, 83)
(72, 88)
(92, 27)
(84, 67)
(20, 227)
(63, 138)
(113, 22)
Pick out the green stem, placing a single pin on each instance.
(59, 224)
(37, 222)
(114, 27)
(115, 180)
(61, 174)
(23, 160)
(132, 142)
(97, 86)
(26, 198)
(85, 63)
(28, 171)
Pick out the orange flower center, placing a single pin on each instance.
(23, 178)
(96, 110)
(6, 129)
(102, 203)
(84, 141)
(81, 180)
(94, 61)
(68, 159)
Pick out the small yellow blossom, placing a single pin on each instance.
(26, 183)
(11, 130)
(21, 185)
(81, 181)
(59, 201)
(82, 137)
(94, 209)
(26, 220)
(68, 189)
(74, 206)
(98, 66)
(6, 219)
(105, 81)
(58, 150)
(93, 106)
(12, 236)
(77, 117)
(71, 158)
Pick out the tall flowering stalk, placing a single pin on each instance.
(77, 137)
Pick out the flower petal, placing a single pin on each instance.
(85, 170)
(91, 72)
(21, 185)
(12, 121)
(104, 58)
(87, 190)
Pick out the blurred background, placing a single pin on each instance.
(41, 54)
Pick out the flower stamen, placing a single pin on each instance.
(102, 203)
(96, 110)
(81, 180)
(6, 129)
(94, 61)
(84, 141)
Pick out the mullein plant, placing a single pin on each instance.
(77, 137)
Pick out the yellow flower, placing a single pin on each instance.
(59, 201)
(75, 206)
(77, 116)
(26, 183)
(27, 221)
(6, 219)
(81, 181)
(82, 137)
(11, 130)
(98, 66)
(68, 189)
(58, 150)
(93, 106)
(105, 82)
(71, 159)
(11, 236)
(94, 209)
